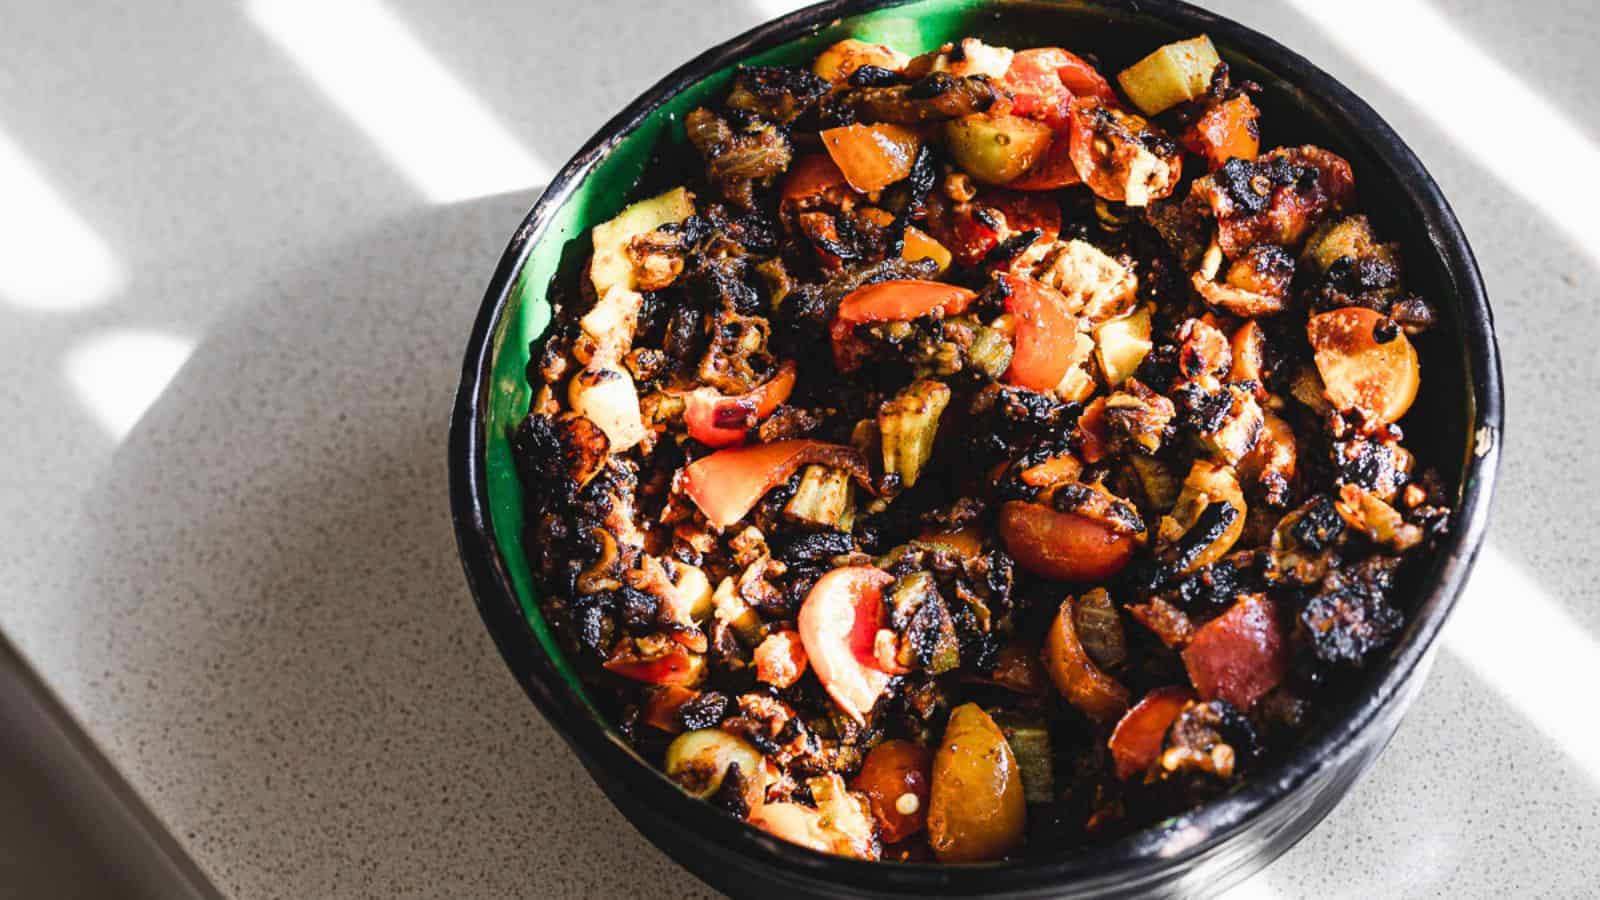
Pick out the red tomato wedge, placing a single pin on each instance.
(1045, 333)
(1136, 742)
(890, 301)
(1066, 546)
(717, 420)
(839, 622)
(728, 483)
(1036, 89)
(1044, 80)
(1240, 655)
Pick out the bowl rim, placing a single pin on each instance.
(617, 768)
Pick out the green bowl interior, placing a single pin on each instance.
(653, 154)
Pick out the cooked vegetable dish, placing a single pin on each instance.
(974, 456)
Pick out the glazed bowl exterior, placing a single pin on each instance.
(1455, 426)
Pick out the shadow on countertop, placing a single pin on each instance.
(286, 500)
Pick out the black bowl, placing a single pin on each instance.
(1455, 426)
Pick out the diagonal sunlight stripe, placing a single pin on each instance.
(118, 375)
(436, 131)
(53, 260)
(1536, 149)
(1519, 640)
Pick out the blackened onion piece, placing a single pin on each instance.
(777, 93)
(936, 97)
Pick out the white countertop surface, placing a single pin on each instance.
(243, 245)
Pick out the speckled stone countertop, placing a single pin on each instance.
(244, 243)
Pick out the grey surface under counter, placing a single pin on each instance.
(70, 827)
(242, 580)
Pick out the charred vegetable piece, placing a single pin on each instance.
(726, 484)
(973, 230)
(1136, 741)
(1120, 157)
(840, 61)
(964, 59)
(1075, 675)
(776, 93)
(1210, 739)
(663, 704)
(927, 633)
(1053, 170)
(935, 97)
(812, 179)
(606, 396)
(700, 761)
(908, 425)
(1271, 466)
(1207, 520)
(657, 662)
(1137, 419)
(895, 778)
(1348, 238)
(1168, 623)
(825, 498)
(1017, 668)
(1044, 80)
(717, 420)
(989, 354)
(584, 447)
(1175, 73)
(1099, 629)
(977, 809)
(740, 154)
(610, 266)
(890, 301)
(1277, 198)
(1240, 655)
(840, 823)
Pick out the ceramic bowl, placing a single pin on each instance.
(1455, 426)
